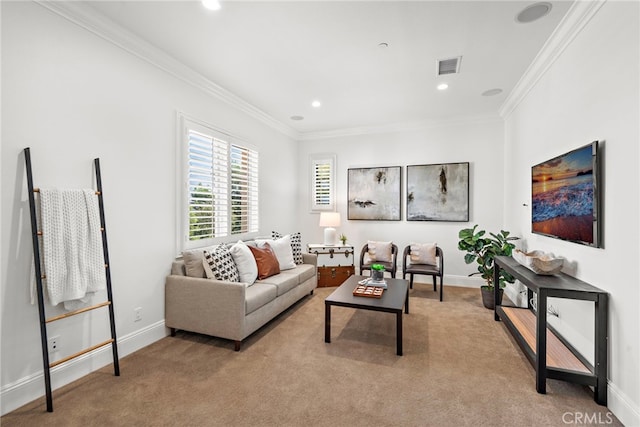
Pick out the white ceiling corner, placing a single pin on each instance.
(269, 59)
(572, 23)
(78, 13)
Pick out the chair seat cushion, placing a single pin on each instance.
(422, 269)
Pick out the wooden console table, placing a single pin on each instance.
(549, 353)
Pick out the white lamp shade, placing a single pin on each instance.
(330, 220)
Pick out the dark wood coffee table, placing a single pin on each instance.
(393, 299)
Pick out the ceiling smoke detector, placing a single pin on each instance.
(449, 66)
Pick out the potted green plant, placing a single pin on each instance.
(483, 249)
(343, 239)
(377, 272)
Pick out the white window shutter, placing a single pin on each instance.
(244, 190)
(322, 183)
(207, 186)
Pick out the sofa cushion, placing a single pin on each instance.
(304, 272)
(258, 295)
(296, 245)
(282, 248)
(285, 281)
(219, 264)
(245, 262)
(266, 260)
(193, 262)
(423, 253)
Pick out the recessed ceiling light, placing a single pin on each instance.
(442, 86)
(533, 12)
(492, 92)
(316, 104)
(296, 118)
(211, 4)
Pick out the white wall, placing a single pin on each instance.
(72, 96)
(591, 92)
(479, 143)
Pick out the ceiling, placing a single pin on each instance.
(280, 56)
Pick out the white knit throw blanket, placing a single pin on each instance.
(72, 245)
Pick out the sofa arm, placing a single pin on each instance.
(206, 306)
(310, 259)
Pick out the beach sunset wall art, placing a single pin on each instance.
(564, 196)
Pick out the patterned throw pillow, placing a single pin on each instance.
(296, 245)
(219, 264)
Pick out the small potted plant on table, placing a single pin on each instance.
(377, 272)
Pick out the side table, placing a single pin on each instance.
(335, 263)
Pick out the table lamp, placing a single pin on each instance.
(330, 220)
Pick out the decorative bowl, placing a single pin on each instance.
(539, 262)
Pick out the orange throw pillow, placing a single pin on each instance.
(266, 260)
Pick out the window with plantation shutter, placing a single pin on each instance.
(220, 190)
(322, 182)
(207, 186)
(244, 190)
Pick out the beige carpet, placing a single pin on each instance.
(460, 368)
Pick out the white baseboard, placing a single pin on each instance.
(29, 388)
(463, 281)
(622, 407)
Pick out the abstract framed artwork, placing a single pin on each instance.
(374, 193)
(438, 192)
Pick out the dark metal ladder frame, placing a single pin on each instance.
(41, 310)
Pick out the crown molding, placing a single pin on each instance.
(87, 18)
(579, 14)
(398, 127)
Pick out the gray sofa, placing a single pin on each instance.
(229, 310)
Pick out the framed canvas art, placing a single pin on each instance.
(374, 193)
(438, 192)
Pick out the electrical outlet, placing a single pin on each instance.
(54, 344)
(137, 314)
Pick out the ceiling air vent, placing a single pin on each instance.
(449, 66)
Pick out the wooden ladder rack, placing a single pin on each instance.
(40, 294)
